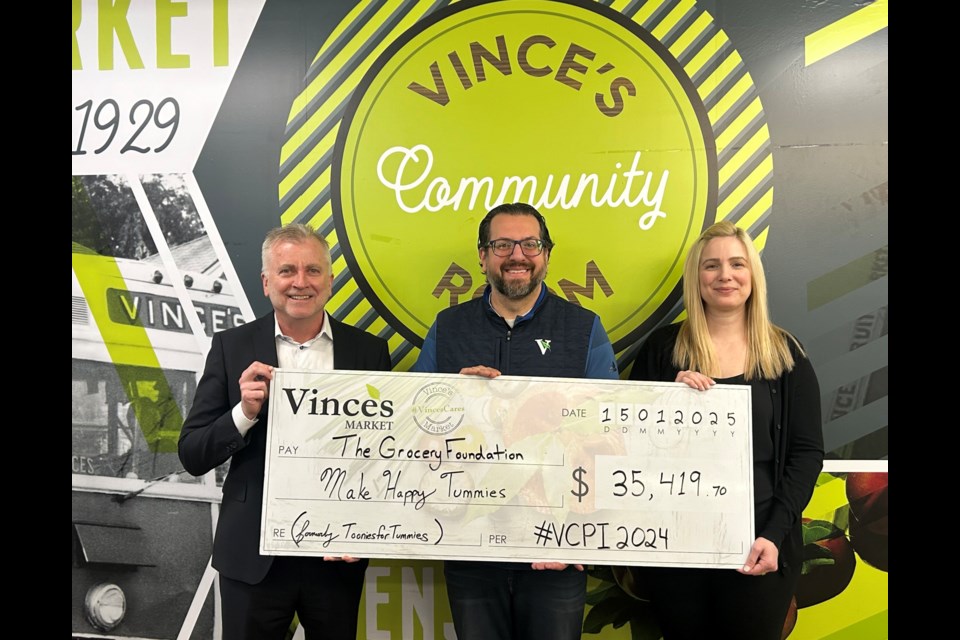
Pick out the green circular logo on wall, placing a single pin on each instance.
(566, 106)
(618, 128)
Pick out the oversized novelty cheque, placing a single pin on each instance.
(445, 466)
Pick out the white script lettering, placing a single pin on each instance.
(411, 168)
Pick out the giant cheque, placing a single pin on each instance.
(441, 466)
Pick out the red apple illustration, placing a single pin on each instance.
(828, 563)
(867, 494)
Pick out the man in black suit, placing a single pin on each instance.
(227, 421)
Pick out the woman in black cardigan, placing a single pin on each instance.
(727, 337)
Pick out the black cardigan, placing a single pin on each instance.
(798, 430)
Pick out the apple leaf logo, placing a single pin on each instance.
(373, 391)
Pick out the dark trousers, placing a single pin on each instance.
(493, 601)
(324, 595)
(692, 604)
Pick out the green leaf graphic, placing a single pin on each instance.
(374, 392)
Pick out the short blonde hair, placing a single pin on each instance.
(768, 350)
(294, 232)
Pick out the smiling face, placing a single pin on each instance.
(516, 276)
(725, 281)
(298, 280)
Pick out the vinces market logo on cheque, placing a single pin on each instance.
(569, 106)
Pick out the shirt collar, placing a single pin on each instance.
(527, 315)
(324, 330)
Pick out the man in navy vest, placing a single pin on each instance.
(516, 328)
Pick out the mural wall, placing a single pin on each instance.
(394, 126)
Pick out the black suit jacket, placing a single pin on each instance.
(209, 437)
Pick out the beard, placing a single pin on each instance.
(516, 289)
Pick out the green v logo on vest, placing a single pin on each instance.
(543, 344)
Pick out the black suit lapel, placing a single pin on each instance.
(343, 351)
(265, 342)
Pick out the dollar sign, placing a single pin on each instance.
(582, 487)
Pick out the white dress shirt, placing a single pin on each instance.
(314, 354)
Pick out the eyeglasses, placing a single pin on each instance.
(503, 247)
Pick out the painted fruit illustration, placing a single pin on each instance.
(828, 562)
(537, 414)
(791, 620)
(867, 494)
(539, 421)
